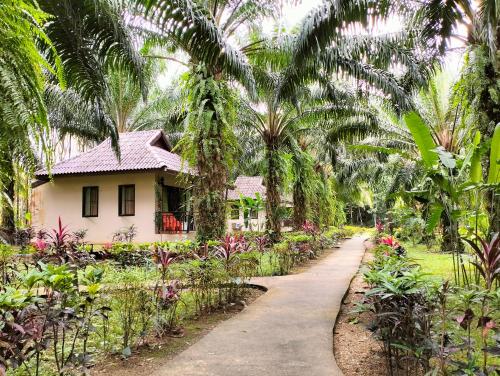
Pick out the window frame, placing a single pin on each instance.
(234, 207)
(84, 189)
(121, 188)
(253, 214)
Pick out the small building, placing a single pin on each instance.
(97, 191)
(252, 187)
(255, 218)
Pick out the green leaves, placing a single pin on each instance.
(193, 28)
(476, 171)
(494, 172)
(436, 211)
(446, 158)
(423, 138)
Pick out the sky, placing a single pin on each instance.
(293, 15)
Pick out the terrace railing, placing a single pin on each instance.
(174, 222)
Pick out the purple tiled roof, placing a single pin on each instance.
(247, 186)
(142, 150)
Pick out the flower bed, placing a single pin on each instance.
(70, 304)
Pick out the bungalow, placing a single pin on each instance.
(254, 217)
(96, 191)
(252, 187)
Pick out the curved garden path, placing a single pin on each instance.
(288, 331)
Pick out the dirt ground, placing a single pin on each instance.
(356, 350)
(151, 356)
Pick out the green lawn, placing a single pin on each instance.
(432, 262)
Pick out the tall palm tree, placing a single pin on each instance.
(290, 104)
(203, 29)
(92, 37)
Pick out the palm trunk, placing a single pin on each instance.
(273, 184)
(299, 206)
(7, 225)
(210, 205)
(493, 207)
(211, 148)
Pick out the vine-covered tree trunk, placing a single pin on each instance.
(273, 184)
(7, 225)
(299, 206)
(493, 207)
(209, 201)
(210, 204)
(207, 144)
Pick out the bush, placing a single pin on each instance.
(429, 328)
(398, 297)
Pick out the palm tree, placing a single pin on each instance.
(304, 180)
(479, 84)
(86, 39)
(22, 79)
(202, 30)
(436, 113)
(289, 103)
(93, 38)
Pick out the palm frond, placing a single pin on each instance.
(193, 29)
(91, 36)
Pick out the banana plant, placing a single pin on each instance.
(251, 205)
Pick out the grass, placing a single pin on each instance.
(438, 265)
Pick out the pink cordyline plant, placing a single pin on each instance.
(231, 245)
(40, 245)
(309, 228)
(169, 294)
(488, 254)
(262, 242)
(379, 226)
(60, 235)
(163, 258)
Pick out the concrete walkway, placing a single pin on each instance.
(288, 331)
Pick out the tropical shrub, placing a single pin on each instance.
(429, 328)
(398, 298)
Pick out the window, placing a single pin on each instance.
(235, 211)
(126, 200)
(254, 214)
(90, 201)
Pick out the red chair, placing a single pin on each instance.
(170, 223)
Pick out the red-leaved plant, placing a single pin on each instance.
(379, 226)
(488, 255)
(310, 228)
(390, 241)
(230, 245)
(60, 236)
(40, 245)
(262, 242)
